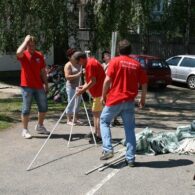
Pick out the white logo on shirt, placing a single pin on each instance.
(37, 60)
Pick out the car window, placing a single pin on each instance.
(188, 62)
(142, 61)
(174, 61)
(157, 63)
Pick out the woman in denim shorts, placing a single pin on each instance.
(73, 73)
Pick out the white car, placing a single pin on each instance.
(183, 69)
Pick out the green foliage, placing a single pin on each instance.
(53, 22)
(46, 20)
(124, 16)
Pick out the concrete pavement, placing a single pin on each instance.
(61, 170)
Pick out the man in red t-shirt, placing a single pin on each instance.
(94, 76)
(123, 77)
(33, 83)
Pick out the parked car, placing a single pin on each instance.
(158, 71)
(183, 69)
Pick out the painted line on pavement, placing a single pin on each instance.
(107, 178)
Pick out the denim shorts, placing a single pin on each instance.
(40, 98)
(70, 93)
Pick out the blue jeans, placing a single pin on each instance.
(126, 111)
(70, 93)
(40, 97)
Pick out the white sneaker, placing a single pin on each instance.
(26, 134)
(41, 130)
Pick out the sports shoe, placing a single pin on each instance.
(116, 122)
(70, 123)
(130, 163)
(97, 139)
(106, 155)
(78, 122)
(41, 129)
(26, 134)
(89, 135)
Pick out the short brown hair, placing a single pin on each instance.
(124, 47)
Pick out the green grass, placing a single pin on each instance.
(10, 111)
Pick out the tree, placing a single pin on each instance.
(51, 22)
(124, 16)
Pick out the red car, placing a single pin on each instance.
(158, 71)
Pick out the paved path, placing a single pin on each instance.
(8, 91)
(61, 170)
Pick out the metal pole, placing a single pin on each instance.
(50, 134)
(89, 121)
(113, 44)
(75, 105)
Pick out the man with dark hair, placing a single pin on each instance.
(106, 59)
(33, 83)
(94, 75)
(120, 88)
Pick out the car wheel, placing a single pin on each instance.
(191, 82)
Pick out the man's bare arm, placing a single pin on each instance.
(86, 86)
(106, 86)
(22, 47)
(44, 79)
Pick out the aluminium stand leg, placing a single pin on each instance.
(76, 101)
(75, 105)
(89, 121)
(50, 134)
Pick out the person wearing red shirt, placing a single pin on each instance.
(94, 76)
(33, 83)
(123, 77)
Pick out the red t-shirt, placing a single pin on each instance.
(94, 69)
(126, 75)
(31, 66)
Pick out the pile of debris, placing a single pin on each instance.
(181, 141)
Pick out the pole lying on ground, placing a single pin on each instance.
(106, 164)
(50, 134)
(120, 158)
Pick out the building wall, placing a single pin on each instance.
(10, 62)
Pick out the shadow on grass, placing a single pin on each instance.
(10, 77)
(6, 118)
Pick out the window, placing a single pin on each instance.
(142, 61)
(157, 64)
(174, 61)
(188, 62)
